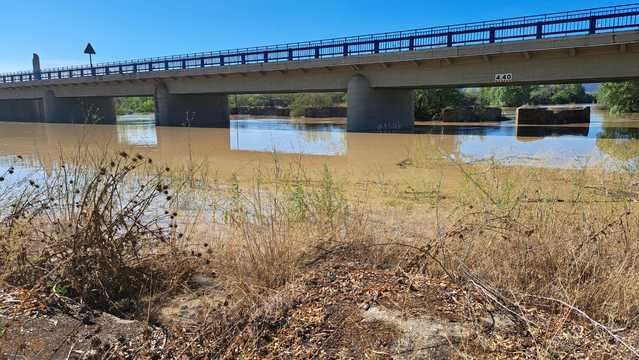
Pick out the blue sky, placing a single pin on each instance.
(124, 29)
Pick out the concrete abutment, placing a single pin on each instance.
(197, 110)
(51, 109)
(29, 110)
(377, 109)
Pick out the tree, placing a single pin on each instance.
(430, 102)
(318, 100)
(507, 96)
(621, 97)
(560, 95)
(134, 105)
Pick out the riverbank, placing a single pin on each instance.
(291, 262)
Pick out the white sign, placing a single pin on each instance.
(504, 77)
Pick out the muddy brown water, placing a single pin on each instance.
(608, 141)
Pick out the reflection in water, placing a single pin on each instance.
(607, 141)
(137, 130)
(619, 143)
(287, 137)
(528, 133)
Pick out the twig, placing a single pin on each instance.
(594, 322)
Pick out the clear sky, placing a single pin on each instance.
(123, 29)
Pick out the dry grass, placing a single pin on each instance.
(97, 228)
(573, 239)
(561, 243)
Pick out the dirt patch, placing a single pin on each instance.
(338, 308)
(39, 326)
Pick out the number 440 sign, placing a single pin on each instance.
(508, 77)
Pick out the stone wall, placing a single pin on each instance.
(471, 114)
(540, 115)
(326, 112)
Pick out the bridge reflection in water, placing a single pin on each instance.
(606, 140)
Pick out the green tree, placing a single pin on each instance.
(432, 101)
(134, 105)
(507, 96)
(303, 101)
(621, 97)
(560, 94)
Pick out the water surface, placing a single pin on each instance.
(608, 141)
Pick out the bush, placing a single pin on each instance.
(296, 102)
(560, 94)
(134, 105)
(93, 232)
(431, 102)
(508, 96)
(514, 96)
(622, 97)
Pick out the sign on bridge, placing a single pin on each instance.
(508, 77)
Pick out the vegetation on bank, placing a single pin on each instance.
(431, 102)
(87, 230)
(553, 251)
(298, 103)
(515, 96)
(134, 105)
(620, 97)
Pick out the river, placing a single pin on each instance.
(608, 141)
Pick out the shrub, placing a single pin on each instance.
(97, 231)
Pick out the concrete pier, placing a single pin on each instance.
(371, 109)
(86, 110)
(198, 110)
(553, 115)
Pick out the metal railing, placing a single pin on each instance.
(581, 22)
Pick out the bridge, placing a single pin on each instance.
(378, 71)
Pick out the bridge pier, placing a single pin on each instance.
(90, 110)
(371, 109)
(197, 110)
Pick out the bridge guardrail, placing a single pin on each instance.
(580, 22)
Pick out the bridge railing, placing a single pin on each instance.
(581, 22)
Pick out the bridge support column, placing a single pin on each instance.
(371, 109)
(90, 110)
(198, 110)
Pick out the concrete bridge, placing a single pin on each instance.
(379, 72)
